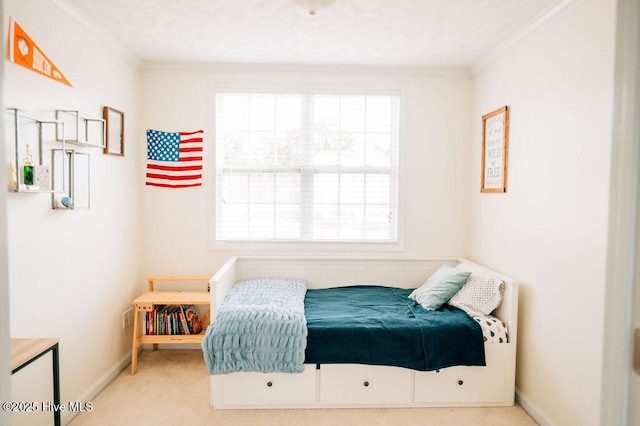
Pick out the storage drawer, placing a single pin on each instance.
(461, 384)
(364, 384)
(270, 388)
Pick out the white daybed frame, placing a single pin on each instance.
(356, 385)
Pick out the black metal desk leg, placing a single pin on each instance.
(56, 385)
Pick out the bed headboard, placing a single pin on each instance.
(323, 272)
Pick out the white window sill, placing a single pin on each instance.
(272, 246)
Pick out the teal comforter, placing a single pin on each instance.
(382, 326)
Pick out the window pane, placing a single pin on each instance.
(378, 114)
(263, 112)
(235, 149)
(262, 149)
(235, 187)
(234, 223)
(326, 149)
(352, 153)
(377, 189)
(288, 129)
(261, 221)
(232, 112)
(378, 151)
(288, 221)
(325, 222)
(288, 148)
(326, 113)
(326, 188)
(351, 222)
(377, 223)
(261, 187)
(352, 114)
(289, 113)
(351, 189)
(287, 188)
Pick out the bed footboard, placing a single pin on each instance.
(221, 283)
(219, 286)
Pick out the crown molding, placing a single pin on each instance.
(542, 19)
(70, 11)
(324, 69)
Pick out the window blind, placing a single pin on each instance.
(306, 167)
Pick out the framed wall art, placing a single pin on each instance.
(495, 147)
(115, 131)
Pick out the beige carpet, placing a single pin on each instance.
(172, 387)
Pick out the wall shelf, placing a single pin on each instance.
(77, 180)
(85, 131)
(23, 132)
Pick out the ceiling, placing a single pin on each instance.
(433, 33)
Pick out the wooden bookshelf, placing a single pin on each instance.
(147, 303)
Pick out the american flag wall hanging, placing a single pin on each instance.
(174, 160)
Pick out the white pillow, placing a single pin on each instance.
(481, 294)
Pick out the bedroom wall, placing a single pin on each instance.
(178, 98)
(5, 355)
(73, 273)
(550, 229)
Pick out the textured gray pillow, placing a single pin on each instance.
(481, 294)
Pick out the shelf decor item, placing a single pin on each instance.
(27, 177)
(495, 144)
(115, 131)
(12, 174)
(42, 177)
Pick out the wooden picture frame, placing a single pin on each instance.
(114, 120)
(495, 148)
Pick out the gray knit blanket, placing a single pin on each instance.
(260, 326)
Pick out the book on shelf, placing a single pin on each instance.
(172, 320)
(183, 321)
(193, 321)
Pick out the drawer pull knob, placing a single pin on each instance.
(269, 384)
(460, 382)
(366, 384)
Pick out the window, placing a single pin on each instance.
(306, 167)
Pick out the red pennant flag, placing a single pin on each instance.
(24, 52)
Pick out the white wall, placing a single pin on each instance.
(437, 108)
(550, 229)
(5, 382)
(73, 273)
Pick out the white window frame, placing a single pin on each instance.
(288, 245)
